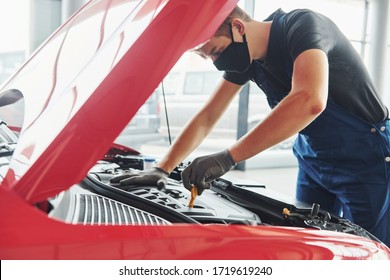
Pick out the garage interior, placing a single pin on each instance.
(44, 16)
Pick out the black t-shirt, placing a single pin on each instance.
(292, 33)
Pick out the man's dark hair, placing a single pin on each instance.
(224, 29)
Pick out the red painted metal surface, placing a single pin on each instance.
(85, 85)
(81, 89)
(26, 233)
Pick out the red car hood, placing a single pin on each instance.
(88, 80)
(81, 88)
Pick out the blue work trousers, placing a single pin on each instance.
(344, 165)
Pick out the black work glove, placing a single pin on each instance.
(154, 176)
(203, 170)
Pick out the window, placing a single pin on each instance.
(12, 47)
(201, 83)
(349, 15)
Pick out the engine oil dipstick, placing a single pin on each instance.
(286, 212)
(194, 194)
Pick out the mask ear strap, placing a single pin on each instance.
(231, 32)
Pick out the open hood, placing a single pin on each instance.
(87, 81)
(81, 89)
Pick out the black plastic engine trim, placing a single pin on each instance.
(138, 202)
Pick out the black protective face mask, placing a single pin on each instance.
(235, 58)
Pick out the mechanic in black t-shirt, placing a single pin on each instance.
(318, 87)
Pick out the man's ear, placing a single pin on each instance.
(239, 25)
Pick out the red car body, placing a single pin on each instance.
(81, 88)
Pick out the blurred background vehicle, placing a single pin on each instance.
(187, 91)
(145, 125)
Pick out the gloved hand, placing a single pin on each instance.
(203, 170)
(154, 176)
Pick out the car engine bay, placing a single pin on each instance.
(94, 201)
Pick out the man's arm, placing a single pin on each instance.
(298, 109)
(199, 126)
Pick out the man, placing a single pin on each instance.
(318, 87)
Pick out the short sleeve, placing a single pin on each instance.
(306, 30)
(237, 78)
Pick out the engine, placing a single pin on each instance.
(94, 201)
